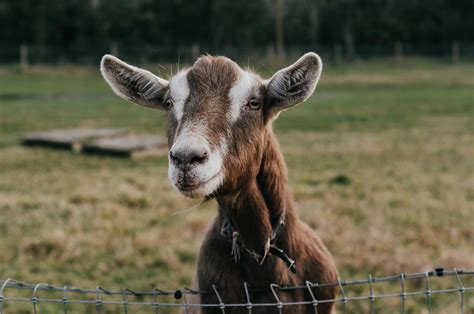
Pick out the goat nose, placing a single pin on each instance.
(185, 157)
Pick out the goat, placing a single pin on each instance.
(222, 146)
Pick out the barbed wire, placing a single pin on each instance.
(178, 298)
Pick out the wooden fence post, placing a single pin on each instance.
(349, 44)
(455, 52)
(337, 53)
(271, 55)
(195, 51)
(279, 33)
(24, 65)
(114, 49)
(398, 51)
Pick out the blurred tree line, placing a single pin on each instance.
(95, 24)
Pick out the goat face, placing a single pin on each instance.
(217, 115)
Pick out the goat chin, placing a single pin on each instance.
(202, 189)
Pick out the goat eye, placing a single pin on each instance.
(254, 104)
(168, 104)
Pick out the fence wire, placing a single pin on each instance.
(402, 288)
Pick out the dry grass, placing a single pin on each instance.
(381, 168)
(408, 206)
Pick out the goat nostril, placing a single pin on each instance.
(199, 158)
(173, 158)
(185, 157)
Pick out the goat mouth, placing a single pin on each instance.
(192, 187)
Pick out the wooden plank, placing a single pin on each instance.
(132, 146)
(69, 138)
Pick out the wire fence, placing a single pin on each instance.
(355, 296)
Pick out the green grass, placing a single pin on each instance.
(401, 137)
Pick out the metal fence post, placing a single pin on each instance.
(156, 304)
(344, 298)
(371, 297)
(98, 301)
(247, 295)
(2, 291)
(314, 300)
(279, 303)
(403, 294)
(65, 301)
(462, 289)
(221, 303)
(34, 298)
(428, 291)
(125, 301)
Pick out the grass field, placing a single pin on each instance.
(380, 161)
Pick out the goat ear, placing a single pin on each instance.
(133, 84)
(294, 84)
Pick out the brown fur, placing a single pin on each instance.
(252, 209)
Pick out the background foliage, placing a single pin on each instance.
(75, 28)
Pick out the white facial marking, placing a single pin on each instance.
(239, 93)
(179, 92)
(207, 176)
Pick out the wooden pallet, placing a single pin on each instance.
(132, 146)
(69, 138)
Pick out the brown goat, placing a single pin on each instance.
(222, 146)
